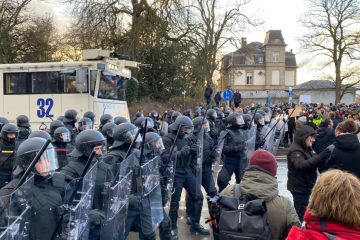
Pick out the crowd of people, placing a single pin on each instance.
(129, 175)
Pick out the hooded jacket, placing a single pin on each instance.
(317, 229)
(302, 163)
(346, 154)
(325, 137)
(281, 213)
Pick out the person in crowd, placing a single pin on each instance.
(334, 209)
(346, 152)
(333, 118)
(310, 122)
(207, 94)
(325, 136)
(302, 167)
(237, 99)
(217, 98)
(259, 180)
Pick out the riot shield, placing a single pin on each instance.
(279, 134)
(115, 205)
(269, 133)
(250, 140)
(76, 223)
(151, 195)
(199, 159)
(168, 176)
(218, 155)
(16, 212)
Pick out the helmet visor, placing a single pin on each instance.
(130, 136)
(156, 146)
(65, 137)
(186, 130)
(240, 120)
(267, 118)
(48, 162)
(262, 121)
(206, 127)
(86, 125)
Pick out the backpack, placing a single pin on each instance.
(243, 217)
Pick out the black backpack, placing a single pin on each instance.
(242, 217)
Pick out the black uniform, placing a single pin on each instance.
(7, 160)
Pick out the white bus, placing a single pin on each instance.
(44, 91)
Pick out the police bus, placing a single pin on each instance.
(44, 91)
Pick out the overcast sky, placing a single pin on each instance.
(277, 15)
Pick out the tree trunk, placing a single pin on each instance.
(338, 83)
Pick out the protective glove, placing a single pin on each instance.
(185, 151)
(96, 216)
(325, 154)
(194, 149)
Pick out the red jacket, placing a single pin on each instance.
(323, 230)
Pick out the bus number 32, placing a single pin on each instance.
(45, 106)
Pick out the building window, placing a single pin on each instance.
(261, 59)
(276, 56)
(249, 79)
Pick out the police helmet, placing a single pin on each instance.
(138, 122)
(150, 123)
(139, 114)
(154, 114)
(187, 113)
(62, 134)
(153, 143)
(124, 133)
(185, 123)
(60, 118)
(8, 129)
(199, 123)
(27, 151)
(174, 116)
(3, 121)
(197, 112)
(211, 114)
(54, 125)
(40, 134)
(90, 115)
(259, 119)
(235, 119)
(220, 114)
(85, 123)
(119, 120)
(107, 129)
(86, 141)
(247, 119)
(22, 121)
(105, 119)
(70, 116)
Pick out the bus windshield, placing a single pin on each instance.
(112, 87)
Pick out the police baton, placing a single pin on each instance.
(73, 194)
(143, 142)
(252, 119)
(32, 164)
(132, 143)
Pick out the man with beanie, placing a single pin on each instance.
(259, 180)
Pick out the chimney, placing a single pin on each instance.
(243, 42)
(291, 50)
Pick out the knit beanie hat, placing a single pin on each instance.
(265, 160)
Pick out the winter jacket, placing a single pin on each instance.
(325, 137)
(281, 213)
(346, 154)
(302, 163)
(317, 229)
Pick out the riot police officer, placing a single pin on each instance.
(45, 195)
(234, 152)
(22, 122)
(247, 121)
(104, 119)
(184, 174)
(91, 115)
(155, 117)
(174, 116)
(54, 125)
(214, 129)
(62, 144)
(40, 134)
(85, 143)
(3, 121)
(260, 130)
(8, 143)
(118, 120)
(107, 131)
(84, 124)
(70, 118)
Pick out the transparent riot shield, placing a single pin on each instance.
(16, 212)
(115, 205)
(218, 155)
(250, 140)
(168, 176)
(151, 199)
(199, 159)
(269, 133)
(76, 223)
(279, 134)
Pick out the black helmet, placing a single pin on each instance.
(235, 119)
(150, 123)
(9, 128)
(197, 112)
(62, 134)
(174, 116)
(40, 134)
(119, 120)
(220, 114)
(262, 112)
(27, 151)
(70, 116)
(201, 122)
(86, 141)
(187, 113)
(154, 114)
(138, 122)
(259, 119)
(3, 121)
(104, 119)
(168, 116)
(90, 114)
(22, 121)
(153, 143)
(54, 125)
(139, 114)
(85, 123)
(124, 133)
(211, 114)
(185, 123)
(247, 119)
(107, 129)
(60, 118)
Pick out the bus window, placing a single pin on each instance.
(15, 83)
(45, 82)
(69, 82)
(93, 75)
(111, 87)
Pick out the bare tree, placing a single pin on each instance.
(333, 35)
